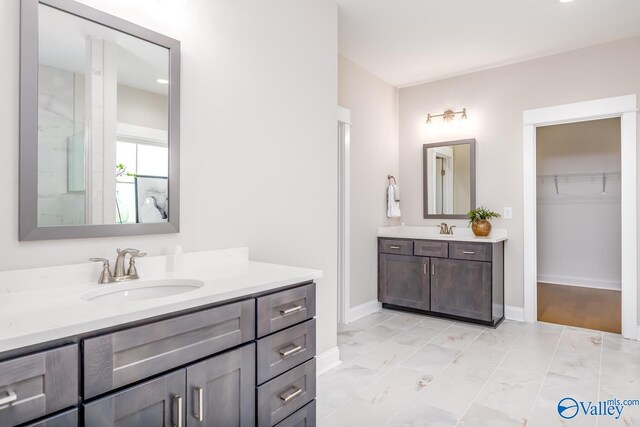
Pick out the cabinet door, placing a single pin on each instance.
(404, 281)
(221, 390)
(461, 288)
(159, 402)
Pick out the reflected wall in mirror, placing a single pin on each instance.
(99, 124)
(449, 178)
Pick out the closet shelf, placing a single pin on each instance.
(587, 176)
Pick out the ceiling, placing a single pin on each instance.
(62, 44)
(407, 42)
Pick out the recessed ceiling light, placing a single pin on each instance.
(163, 81)
(566, 1)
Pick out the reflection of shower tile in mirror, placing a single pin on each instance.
(56, 99)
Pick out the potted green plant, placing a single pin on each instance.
(479, 220)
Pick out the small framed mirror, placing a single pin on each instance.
(99, 125)
(449, 179)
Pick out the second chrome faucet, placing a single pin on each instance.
(446, 229)
(119, 274)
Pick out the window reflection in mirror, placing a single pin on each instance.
(102, 124)
(449, 178)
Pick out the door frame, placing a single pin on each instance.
(344, 214)
(624, 107)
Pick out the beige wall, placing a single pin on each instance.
(258, 136)
(142, 108)
(374, 154)
(579, 228)
(495, 100)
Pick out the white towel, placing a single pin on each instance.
(396, 192)
(393, 202)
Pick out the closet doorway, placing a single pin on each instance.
(624, 108)
(579, 224)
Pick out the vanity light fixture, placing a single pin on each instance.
(163, 81)
(448, 115)
(566, 1)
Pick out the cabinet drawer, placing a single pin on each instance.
(470, 251)
(284, 395)
(431, 248)
(399, 247)
(37, 385)
(286, 349)
(66, 419)
(305, 417)
(283, 309)
(120, 358)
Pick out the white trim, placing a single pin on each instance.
(583, 282)
(344, 214)
(362, 310)
(344, 115)
(142, 133)
(327, 361)
(625, 108)
(514, 313)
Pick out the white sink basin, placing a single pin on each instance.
(139, 291)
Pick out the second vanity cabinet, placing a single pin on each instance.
(462, 280)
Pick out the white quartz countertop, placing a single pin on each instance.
(462, 234)
(38, 315)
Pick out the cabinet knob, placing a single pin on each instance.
(291, 310)
(11, 397)
(289, 352)
(178, 399)
(199, 409)
(296, 391)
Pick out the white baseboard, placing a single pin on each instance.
(362, 310)
(514, 313)
(327, 360)
(580, 281)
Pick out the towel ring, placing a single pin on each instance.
(391, 177)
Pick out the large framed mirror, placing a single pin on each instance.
(99, 125)
(449, 179)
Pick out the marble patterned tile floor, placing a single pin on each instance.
(401, 369)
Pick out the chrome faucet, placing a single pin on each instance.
(119, 274)
(446, 229)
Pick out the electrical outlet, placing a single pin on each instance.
(508, 213)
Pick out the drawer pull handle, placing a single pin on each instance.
(291, 310)
(199, 413)
(468, 252)
(178, 400)
(11, 397)
(295, 393)
(285, 353)
(394, 247)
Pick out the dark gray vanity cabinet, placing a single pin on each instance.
(404, 281)
(461, 280)
(461, 288)
(159, 402)
(210, 366)
(221, 390)
(38, 384)
(286, 374)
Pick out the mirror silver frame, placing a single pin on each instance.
(28, 227)
(425, 177)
